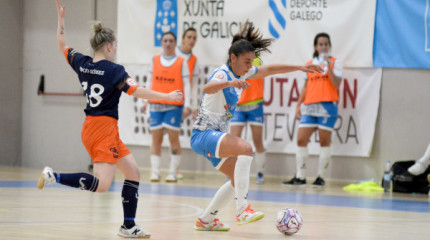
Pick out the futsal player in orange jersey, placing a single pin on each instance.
(319, 110)
(103, 82)
(169, 71)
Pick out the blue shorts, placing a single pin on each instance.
(254, 117)
(326, 123)
(207, 143)
(321, 122)
(171, 119)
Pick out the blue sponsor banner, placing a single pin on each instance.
(402, 34)
(166, 19)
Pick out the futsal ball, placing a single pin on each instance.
(289, 221)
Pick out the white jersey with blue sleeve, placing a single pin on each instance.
(217, 109)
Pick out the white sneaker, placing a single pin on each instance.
(47, 177)
(248, 216)
(154, 177)
(171, 178)
(134, 232)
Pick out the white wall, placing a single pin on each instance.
(10, 81)
(51, 125)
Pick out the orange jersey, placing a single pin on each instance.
(254, 93)
(319, 87)
(167, 79)
(191, 63)
(100, 137)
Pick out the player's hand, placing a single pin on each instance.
(311, 68)
(144, 107)
(298, 113)
(186, 112)
(240, 83)
(61, 10)
(195, 113)
(175, 96)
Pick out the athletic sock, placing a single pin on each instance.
(83, 181)
(224, 194)
(174, 163)
(324, 161)
(302, 153)
(130, 196)
(155, 164)
(260, 159)
(241, 182)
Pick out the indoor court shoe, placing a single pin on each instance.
(215, 225)
(248, 216)
(171, 178)
(47, 177)
(134, 232)
(295, 182)
(319, 182)
(154, 177)
(260, 178)
(179, 175)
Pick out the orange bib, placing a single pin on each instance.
(320, 88)
(191, 63)
(167, 79)
(255, 91)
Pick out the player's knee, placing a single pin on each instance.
(302, 142)
(103, 186)
(247, 149)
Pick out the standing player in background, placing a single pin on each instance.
(169, 72)
(250, 109)
(103, 81)
(319, 110)
(189, 38)
(229, 154)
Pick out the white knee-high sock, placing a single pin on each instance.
(260, 160)
(174, 163)
(241, 182)
(155, 164)
(301, 155)
(324, 161)
(224, 194)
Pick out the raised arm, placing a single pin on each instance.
(270, 69)
(61, 36)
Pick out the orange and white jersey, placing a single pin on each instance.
(319, 87)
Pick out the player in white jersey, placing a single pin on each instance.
(231, 155)
(185, 50)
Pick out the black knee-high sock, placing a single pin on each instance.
(83, 181)
(130, 196)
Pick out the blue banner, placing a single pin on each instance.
(166, 19)
(402, 34)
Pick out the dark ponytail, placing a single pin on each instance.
(316, 41)
(249, 39)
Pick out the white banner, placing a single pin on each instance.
(293, 23)
(354, 130)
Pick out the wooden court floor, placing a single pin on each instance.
(168, 211)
